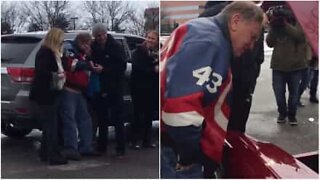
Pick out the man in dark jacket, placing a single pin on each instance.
(107, 52)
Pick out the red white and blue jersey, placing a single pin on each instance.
(195, 84)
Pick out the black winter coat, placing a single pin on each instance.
(41, 89)
(143, 66)
(113, 62)
(144, 79)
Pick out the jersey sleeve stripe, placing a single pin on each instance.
(182, 119)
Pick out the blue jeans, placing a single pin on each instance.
(168, 167)
(279, 81)
(75, 115)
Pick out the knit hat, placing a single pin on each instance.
(99, 28)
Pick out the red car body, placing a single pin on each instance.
(245, 157)
(259, 160)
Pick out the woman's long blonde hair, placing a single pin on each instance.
(53, 40)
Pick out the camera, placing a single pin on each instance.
(278, 14)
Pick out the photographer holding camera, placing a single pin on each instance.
(288, 60)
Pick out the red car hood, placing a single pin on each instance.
(245, 157)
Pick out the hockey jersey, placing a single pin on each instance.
(195, 84)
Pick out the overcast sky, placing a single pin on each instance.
(76, 9)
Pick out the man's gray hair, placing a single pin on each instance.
(99, 28)
(248, 10)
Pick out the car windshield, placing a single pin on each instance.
(15, 50)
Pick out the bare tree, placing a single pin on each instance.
(137, 26)
(36, 13)
(11, 18)
(118, 11)
(55, 11)
(7, 12)
(112, 13)
(97, 10)
(47, 14)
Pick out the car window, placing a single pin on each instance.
(15, 50)
(133, 42)
(123, 46)
(67, 44)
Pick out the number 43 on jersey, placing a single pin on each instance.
(205, 74)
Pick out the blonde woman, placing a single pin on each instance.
(45, 92)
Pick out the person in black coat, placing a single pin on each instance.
(107, 52)
(144, 89)
(45, 92)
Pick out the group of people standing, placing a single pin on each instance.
(210, 69)
(78, 89)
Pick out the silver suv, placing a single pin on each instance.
(17, 69)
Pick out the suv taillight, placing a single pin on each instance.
(19, 74)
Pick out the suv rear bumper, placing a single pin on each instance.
(9, 115)
(19, 121)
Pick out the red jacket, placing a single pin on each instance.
(77, 78)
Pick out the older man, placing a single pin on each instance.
(107, 52)
(195, 83)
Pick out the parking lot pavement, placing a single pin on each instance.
(19, 160)
(262, 123)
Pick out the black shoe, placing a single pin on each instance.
(281, 118)
(314, 99)
(71, 154)
(59, 160)
(92, 154)
(293, 121)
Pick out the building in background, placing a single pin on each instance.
(174, 13)
(151, 16)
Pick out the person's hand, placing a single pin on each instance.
(97, 68)
(61, 75)
(91, 64)
(180, 167)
